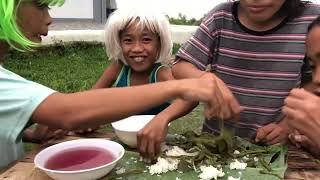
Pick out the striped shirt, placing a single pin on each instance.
(260, 68)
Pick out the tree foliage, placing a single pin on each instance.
(183, 20)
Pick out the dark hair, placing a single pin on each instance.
(314, 23)
(292, 8)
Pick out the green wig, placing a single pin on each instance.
(9, 30)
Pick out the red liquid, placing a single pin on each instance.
(79, 158)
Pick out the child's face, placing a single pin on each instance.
(313, 53)
(261, 10)
(34, 20)
(140, 48)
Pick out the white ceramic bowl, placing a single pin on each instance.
(127, 129)
(87, 174)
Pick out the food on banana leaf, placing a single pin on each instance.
(206, 156)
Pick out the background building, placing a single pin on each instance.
(88, 10)
(98, 10)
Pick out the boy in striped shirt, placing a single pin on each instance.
(256, 52)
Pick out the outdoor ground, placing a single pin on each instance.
(76, 67)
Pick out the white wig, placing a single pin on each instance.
(145, 18)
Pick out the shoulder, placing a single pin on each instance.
(19, 94)
(164, 73)
(116, 66)
(311, 9)
(219, 10)
(18, 84)
(309, 12)
(216, 16)
(114, 69)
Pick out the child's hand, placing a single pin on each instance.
(227, 105)
(42, 134)
(273, 133)
(219, 100)
(86, 131)
(302, 141)
(151, 136)
(303, 108)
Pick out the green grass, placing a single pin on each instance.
(76, 67)
(69, 68)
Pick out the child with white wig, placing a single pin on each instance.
(138, 42)
(138, 19)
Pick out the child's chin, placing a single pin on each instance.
(37, 39)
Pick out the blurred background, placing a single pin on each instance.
(98, 10)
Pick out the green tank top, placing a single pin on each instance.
(123, 80)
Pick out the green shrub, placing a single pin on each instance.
(182, 20)
(175, 48)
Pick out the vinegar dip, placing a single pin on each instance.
(80, 159)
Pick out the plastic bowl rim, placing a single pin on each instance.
(84, 170)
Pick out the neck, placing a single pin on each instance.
(4, 47)
(258, 25)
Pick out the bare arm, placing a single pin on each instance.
(226, 105)
(179, 107)
(183, 69)
(109, 76)
(153, 134)
(100, 106)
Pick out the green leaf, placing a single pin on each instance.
(279, 166)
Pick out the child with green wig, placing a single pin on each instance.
(23, 102)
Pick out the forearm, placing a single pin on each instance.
(91, 108)
(183, 69)
(177, 109)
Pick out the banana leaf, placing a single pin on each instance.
(137, 170)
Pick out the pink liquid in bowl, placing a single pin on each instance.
(79, 158)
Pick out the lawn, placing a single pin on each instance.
(76, 67)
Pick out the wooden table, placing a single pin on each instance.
(300, 164)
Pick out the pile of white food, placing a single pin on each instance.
(232, 178)
(210, 172)
(120, 170)
(245, 158)
(236, 152)
(238, 165)
(176, 151)
(163, 165)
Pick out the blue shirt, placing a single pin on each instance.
(18, 100)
